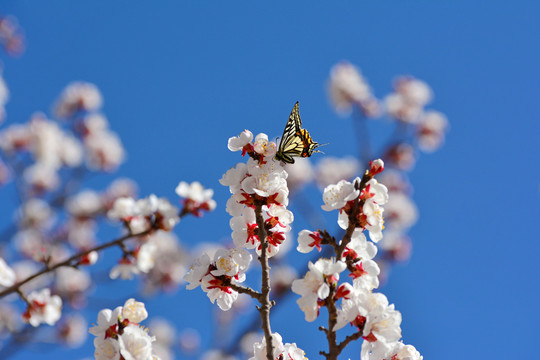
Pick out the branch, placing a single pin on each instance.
(72, 261)
(247, 290)
(348, 339)
(333, 349)
(265, 288)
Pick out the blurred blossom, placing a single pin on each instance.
(414, 90)
(281, 278)
(395, 180)
(170, 263)
(330, 170)
(7, 275)
(9, 319)
(401, 156)
(41, 178)
(4, 97)
(5, 174)
(29, 242)
(400, 212)
(92, 124)
(408, 101)
(163, 330)
(104, 151)
(81, 234)
(15, 137)
(52, 146)
(397, 245)
(85, 204)
(71, 281)
(347, 88)
(189, 340)
(125, 269)
(73, 330)
(217, 355)
(78, 96)
(36, 213)
(431, 130)
(122, 187)
(165, 335)
(300, 173)
(11, 36)
(248, 340)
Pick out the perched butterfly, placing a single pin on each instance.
(295, 141)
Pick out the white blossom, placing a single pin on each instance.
(264, 147)
(78, 96)
(134, 311)
(73, 330)
(86, 203)
(432, 127)
(104, 151)
(106, 319)
(308, 240)
(336, 196)
(197, 271)
(237, 143)
(125, 269)
(106, 349)
(315, 285)
(71, 280)
(135, 343)
(7, 275)
(43, 308)
(347, 87)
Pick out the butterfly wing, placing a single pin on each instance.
(295, 141)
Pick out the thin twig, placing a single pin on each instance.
(72, 261)
(246, 290)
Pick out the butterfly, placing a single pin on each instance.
(295, 141)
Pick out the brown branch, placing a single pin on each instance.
(246, 290)
(348, 339)
(333, 349)
(72, 261)
(264, 309)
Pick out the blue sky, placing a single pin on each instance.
(179, 78)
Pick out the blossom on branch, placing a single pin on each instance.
(43, 308)
(118, 334)
(196, 198)
(315, 286)
(281, 351)
(215, 277)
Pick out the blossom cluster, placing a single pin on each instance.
(378, 323)
(119, 335)
(260, 222)
(347, 88)
(51, 146)
(258, 208)
(262, 181)
(144, 214)
(156, 252)
(217, 276)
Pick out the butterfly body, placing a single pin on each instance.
(295, 141)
